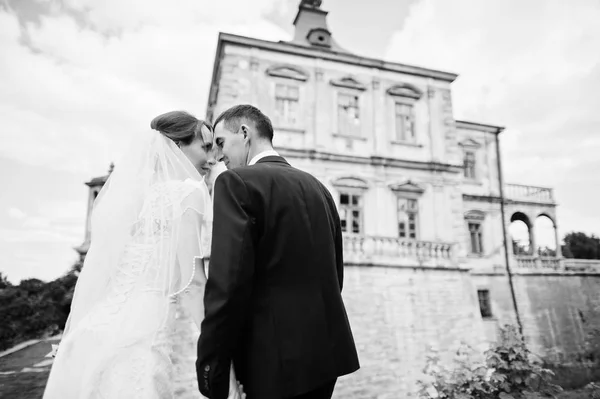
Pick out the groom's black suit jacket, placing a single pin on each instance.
(273, 300)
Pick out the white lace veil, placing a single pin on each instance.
(146, 231)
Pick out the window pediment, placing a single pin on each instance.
(288, 72)
(469, 143)
(405, 90)
(407, 187)
(475, 215)
(348, 82)
(350, 182)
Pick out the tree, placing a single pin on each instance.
(4, 283)
(581, 246)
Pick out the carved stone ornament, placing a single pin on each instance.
(475, 215)
(407, 187)
(348, 82)
(351, 182)
(288, 72)
(405, 90)
(469, 143)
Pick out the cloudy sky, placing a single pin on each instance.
(79, 77)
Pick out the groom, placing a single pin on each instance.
(273, 302)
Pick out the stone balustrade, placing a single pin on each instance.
(392, 251)
(520, 192)
(582, 265)
(528, 263)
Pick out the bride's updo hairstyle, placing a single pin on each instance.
(182, 127)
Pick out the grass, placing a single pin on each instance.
(24, 385)
(30, 385)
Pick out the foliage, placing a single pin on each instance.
(581, 246)
(4, 283)
(34, 308)
(509, 371)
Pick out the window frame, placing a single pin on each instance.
(401, 135)
(472, 166)
(407, 213)
(485, 303)
(349, 208)
(356, 132)
(281, 119)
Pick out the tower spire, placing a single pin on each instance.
(311, 27)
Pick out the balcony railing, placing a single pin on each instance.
(582, 265)
(535, 263)
(530, 263)
(392, 251)
(529, 193)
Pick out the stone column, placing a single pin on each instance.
(557, 241)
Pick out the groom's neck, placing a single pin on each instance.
(259, 147)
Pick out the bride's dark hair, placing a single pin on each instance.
(181, 127)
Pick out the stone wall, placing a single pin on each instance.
(558, 312)
(397, 314)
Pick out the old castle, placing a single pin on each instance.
(430, 260)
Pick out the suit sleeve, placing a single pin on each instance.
(339, 249)
(229, 284)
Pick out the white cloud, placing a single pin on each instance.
(76, 94)
(533, 67)
(81, 81)
(16, 213)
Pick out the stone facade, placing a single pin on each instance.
(427, 250)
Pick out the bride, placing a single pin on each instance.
(130, 331)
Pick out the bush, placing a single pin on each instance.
(508, 371)
(33, 308)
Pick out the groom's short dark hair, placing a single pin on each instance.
(235, 116)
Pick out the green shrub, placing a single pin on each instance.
(509, 371)
(34, 308)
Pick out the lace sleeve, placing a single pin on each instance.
(191, 253)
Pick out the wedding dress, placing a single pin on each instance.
(137, 307)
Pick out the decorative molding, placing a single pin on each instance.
(288, 72)
(405, 90)
(350, 182)
(226, 39)
(479, 127)
(378, 161)
(376, 83)
(319, 74)
(430, 92)
(254, 64)
(482, 198)
(407, 187)
(475, 215)
(470, 143)
(348, 82)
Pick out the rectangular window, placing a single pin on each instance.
(470, 165)
(348, 115)
(405, 126)
(408, 217)
(287, 99)
(351, 213)
(485, 304)
(476, 238)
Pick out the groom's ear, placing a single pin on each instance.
(244, 129)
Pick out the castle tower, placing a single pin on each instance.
(311, 27)
(95, 186)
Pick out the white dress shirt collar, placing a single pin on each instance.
(261, 155)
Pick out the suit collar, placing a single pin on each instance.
(273, 159)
